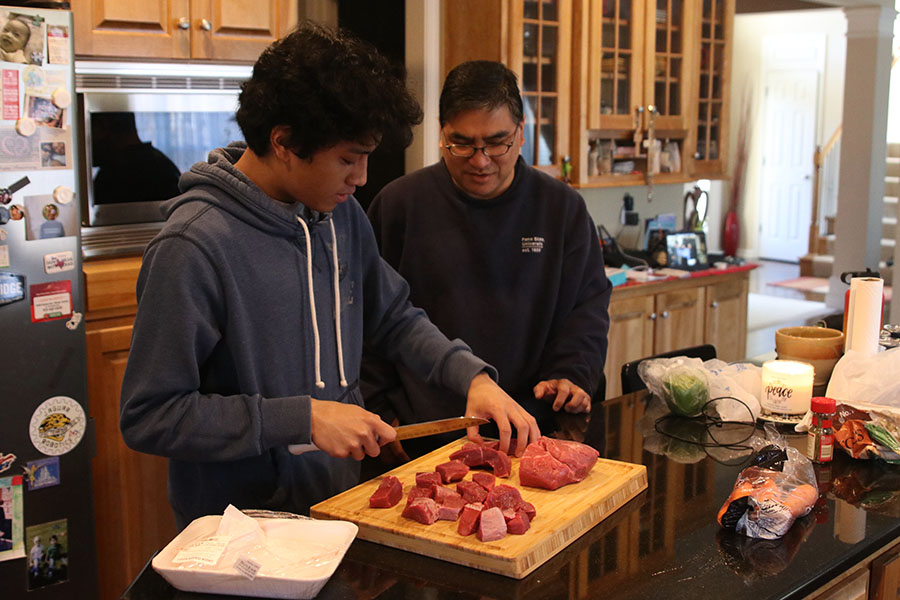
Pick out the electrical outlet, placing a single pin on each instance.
(631, 217)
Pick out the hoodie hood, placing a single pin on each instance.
(207, 181)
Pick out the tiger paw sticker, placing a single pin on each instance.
(57, 425)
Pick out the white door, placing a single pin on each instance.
(789, 130)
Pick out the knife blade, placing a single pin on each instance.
(405, 432)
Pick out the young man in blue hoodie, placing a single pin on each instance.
(256, 296)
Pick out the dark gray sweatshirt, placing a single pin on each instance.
(225, 355)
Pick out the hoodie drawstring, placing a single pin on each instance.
(312, 304)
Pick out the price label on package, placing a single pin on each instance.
(247, 567)
(206, 551)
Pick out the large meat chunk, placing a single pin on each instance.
(423, 510)
(498, 461)
(454, 470)
(491, 525)
(551, 464)
(470, 455)
(388, 493)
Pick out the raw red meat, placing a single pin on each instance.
(551, 464)
(578, 457)
(428, 479)
(420, 492)
(491, 525)
(388, 493)
(485, 480)
(470, 454)
(423, 510)
(529, 509)
(504, 496)
(468, 520)
(454, 470)
(498, 461)
(442, 493)
(519, 524)
(451, 507)
(471, 491)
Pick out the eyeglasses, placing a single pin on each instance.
(489, 150)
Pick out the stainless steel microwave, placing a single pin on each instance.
(143, 124)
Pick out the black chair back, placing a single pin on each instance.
(631, 381)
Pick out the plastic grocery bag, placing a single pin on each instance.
(768, 496)
(687, 384)
(858, 376)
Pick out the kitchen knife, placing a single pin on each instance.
(405, 432)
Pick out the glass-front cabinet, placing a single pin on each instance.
(714, 74)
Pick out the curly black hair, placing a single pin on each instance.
(479, 84)
(329, 87)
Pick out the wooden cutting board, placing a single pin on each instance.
(562, 515)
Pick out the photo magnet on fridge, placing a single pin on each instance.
(12, 288)
(12, 543)
(48, 553)
(42, 473)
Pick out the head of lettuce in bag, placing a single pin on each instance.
(682, 382)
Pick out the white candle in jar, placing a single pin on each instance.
(786, 387)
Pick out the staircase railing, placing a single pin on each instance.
(825, 160)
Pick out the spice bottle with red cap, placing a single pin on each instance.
(820, 437)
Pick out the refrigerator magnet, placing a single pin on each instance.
(48, 553)
(57, 425)
(59, 262)
(42, 473)
(26, 126)
(61, 98)
(51, 301)
(13, 523)
(6, 461)
(12, 287)
(9, 79)
(4, 256)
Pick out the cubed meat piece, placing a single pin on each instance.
(519, 524)
(498, 461)
(471, 491)
(529, 509)
(423, 510)
(504, 496)
(388, 494)
(451, 471)
(513, 442)
(491, 525)
(428, 479)
(485, 480)
(538, 468)
(470, 454)
(578, 457)
(420, 492)
(442, 493)
(449, 510)
(468, 520)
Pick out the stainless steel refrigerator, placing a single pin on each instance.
(47, 547)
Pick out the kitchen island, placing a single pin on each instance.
(663, 544)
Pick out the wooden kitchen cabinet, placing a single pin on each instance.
(232, 30)
(532, 38)
(658, 317)
(132, 513)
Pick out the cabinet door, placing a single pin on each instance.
(132, 512)
(237, 29)
(630, 337)
(679, 322)
(132, 28)
(726, 318)
(667, 63)
(713, 62)
(541, 54)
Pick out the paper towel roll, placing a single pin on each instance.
(864, 314)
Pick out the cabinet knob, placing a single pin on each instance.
(715, 304)
(665, 314)
(205, 25)
(183, 23)
(652, 316)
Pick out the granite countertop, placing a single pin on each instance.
(663, 544)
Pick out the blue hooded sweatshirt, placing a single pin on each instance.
(235, 331)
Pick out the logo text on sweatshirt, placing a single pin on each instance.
(532, 245)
